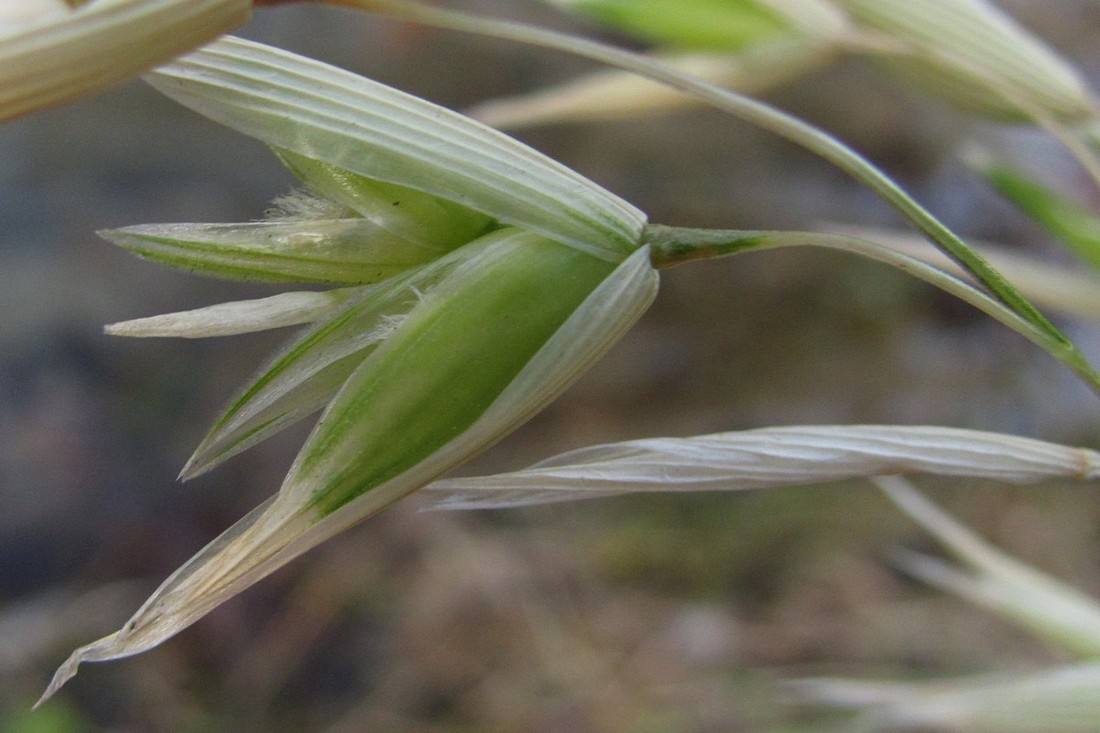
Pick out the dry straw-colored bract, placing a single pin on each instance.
(51, 54)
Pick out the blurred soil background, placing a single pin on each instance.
(649, 613)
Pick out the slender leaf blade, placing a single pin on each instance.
(715, 25)
(1073, 224)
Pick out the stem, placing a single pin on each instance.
(746, 108)
(671, 246)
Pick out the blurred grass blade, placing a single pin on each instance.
(1067, 220)
(716, 25)
(1018, 593)
(608, 95)
(57, 57)
(231, 319)
(1060, 700)
(341, 119)
(768, 457)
